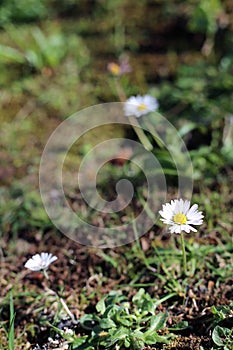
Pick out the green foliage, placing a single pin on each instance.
(222, 324)
(223, 337)
(38, 49)
(203, 93)
(121, 324)
(9, 54)
(22, 210)
(46, 57)
(222, 312)
(204, 15)
(8, 328)
(22, 11)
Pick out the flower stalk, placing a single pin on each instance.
(183, 253)
(41, 262)
(140, 133)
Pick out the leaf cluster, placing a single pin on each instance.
(121, 324)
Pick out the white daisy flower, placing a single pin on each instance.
(180, 216)
(40, 261)
(140, 105)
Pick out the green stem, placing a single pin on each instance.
(183, 253)
(141, 135)
(119, 89)
(64, 305)
(155, 135)
(45, 274)
(134, 123)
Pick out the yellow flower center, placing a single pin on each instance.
(142, 107)
(114, 68)
(180, 218)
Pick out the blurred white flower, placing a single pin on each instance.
(140, 105)
(40, 261)
(180, 216)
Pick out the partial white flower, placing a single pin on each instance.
(40, 261)
(140, 105)
(180, 216)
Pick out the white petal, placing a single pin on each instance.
(178, 206)
(186, 207)
(30, 264)
(53, 259)
(193, 209)
(175, 229)
(167, 221)
(36, 258)
(195, 222)
(195, 219)
(40, 261)
(188, 228)
(166, 213)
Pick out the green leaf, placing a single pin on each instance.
(144, 301)
(111, 311)
(137, 340)
(186, 128)
(179, 326)
(109, 259)
(100, 306)
(124, 321)
(40, 39)
(151, 337)
(80, 343)
(118, 334)
(8, 55)
(114, 297)
(89, 321)
(219, 335)
(34, 58)
(221, 311)
(166, 297)
(11, 328)
(158, 322)
(127, 343)
(107, 323)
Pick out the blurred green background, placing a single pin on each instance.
(53, 62)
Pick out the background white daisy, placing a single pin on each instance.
(140, 105)
(40, 262)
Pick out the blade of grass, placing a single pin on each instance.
(11, 327)
(109, 259)
(9, 54)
